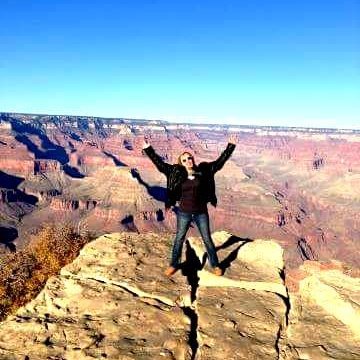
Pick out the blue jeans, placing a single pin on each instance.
(183, 223)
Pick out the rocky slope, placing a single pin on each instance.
(113, 302)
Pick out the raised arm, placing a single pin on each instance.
(161, 165)
(225, 155)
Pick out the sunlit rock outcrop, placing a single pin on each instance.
(114, 302)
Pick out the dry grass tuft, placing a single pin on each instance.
(23, 274)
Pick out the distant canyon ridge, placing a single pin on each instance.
(298, 186)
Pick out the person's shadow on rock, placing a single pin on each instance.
(226, 263)
(190, 268)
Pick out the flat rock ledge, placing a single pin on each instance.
(113, 302)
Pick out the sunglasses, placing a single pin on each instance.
(186, 159)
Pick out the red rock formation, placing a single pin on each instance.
(46, 165)
(15, 166)
(298, 187)
(59, 203)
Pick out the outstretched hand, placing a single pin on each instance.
(146, 143)
(233, 139)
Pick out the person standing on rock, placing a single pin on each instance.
(193, 186)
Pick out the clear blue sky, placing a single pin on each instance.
(268, 62)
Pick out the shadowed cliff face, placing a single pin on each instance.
(15, 204)
(8, 235)
(113, 302)
(299, 187)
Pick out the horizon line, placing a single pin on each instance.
(176, 122)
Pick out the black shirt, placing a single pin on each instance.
(191, 199)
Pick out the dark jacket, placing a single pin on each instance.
(176, 174)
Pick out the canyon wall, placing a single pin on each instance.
(300, 186)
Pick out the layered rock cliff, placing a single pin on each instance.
(113, 302)
(300, 186)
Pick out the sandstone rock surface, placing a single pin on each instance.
(113, 302)
(243, 314)
(324, 321)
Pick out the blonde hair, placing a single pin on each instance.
(182, 154)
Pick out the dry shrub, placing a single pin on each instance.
(15, 280)
(23, 274)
